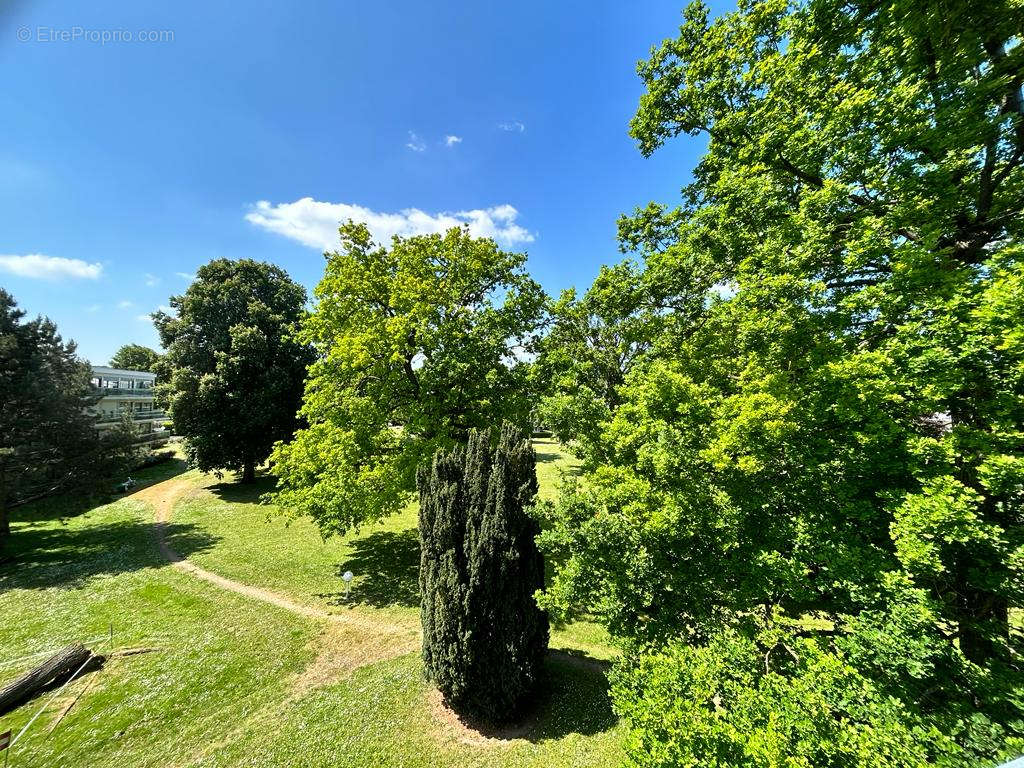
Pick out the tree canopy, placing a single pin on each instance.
(232, 375)
(592, 344)
(417, 344)
(135, 357)
(823, 443)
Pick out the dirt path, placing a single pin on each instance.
(162, 497)
(351, 640)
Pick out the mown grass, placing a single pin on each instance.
(255, 544)
(240, 682)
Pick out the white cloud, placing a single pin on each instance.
(415, 143)
(186, 276)
(152, 280)
(512, 126)
(125, 304)
(315, 223)
(92, 309)
(40, 267)
(451, 141)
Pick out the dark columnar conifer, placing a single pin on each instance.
(484, 637)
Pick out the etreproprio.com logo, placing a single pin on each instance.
(108, 36)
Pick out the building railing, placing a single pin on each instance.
(135, 416)
(115, 392)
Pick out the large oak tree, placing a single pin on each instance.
(417, 343)
(813, 484)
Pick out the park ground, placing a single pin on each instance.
(262, 659)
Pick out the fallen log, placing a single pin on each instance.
(75, 659)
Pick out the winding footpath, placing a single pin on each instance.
(162, 498)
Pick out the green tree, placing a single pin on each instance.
(48, 441)
(135, 357)
(593, 343)
(484, 638)
(830, 425)
(232, 375)
(417, 344)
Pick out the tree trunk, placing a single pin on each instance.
(984, 618)
(249, 470)
(54, 670)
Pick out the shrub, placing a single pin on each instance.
(484, 637)
(773, 698)
(154, 458)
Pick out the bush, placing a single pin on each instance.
(765, 702)
(484, 637)
(153, 458)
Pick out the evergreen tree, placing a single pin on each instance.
(48, 441)
(484, 637)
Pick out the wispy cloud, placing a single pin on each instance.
(92, 309)
(315, 223)
(415, 143)
(125, 304)
(451, 141)
(186, 276)
(512, 126)
(40, 267)
(152, 280)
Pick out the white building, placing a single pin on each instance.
(128, 392)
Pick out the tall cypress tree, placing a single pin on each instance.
(484, 637)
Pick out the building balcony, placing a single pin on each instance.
(136, 416)
(122, 393)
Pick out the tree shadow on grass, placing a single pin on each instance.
(40, 555)
(67, 505)
(235, 492)
(386, 570)
(572, 698)
(546, 457)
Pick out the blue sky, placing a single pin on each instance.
(248, 130)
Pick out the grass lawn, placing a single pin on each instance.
(241, 682)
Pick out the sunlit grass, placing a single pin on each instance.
(240, 682)
(257, 545)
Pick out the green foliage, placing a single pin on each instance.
(771, 699)
(48, 441)
(232, 376)
(135, 357)
(418, 343)
(828, 420)
(484, 638)
(592, 345)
